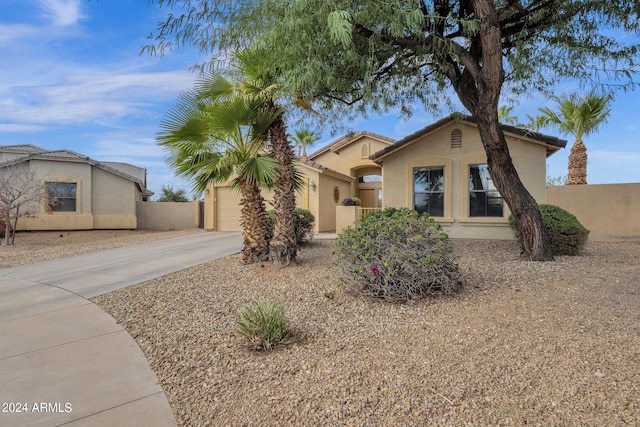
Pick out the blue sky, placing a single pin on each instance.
(72, 77)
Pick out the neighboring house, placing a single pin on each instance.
(82, 193)
(440, 170)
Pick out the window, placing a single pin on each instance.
(428, 190)
(484, 198)
(370, 178)
(62, 196)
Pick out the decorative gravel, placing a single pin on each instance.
(525, 343)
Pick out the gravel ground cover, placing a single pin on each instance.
(543, 344)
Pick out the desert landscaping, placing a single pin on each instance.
(523, 343)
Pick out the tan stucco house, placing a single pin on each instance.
(82, 193)
(340, 169)
(440, 170)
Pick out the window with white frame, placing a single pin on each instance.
(428, 190)
(484, 198)
(62, 196)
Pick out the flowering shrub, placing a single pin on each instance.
(397, 254)
(351, 201)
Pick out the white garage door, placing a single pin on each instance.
(228, 205)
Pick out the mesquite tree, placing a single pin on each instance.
(359, 56)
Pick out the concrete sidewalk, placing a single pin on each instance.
(64, 361)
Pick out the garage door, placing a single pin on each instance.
(228, 213)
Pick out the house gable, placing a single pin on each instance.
(350, 152)
(450, 150)
(460, 122)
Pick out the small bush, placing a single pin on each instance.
(397, 254)
(568, 236)
(351, 201)
(303, 226)
(264, 325)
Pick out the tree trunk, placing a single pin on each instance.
(478, 88)
(535, 238)
(577, 164)
(253, 220)
(283, 247)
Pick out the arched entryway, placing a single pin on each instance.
(369, 186)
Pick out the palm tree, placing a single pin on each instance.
(260, 82)
(213, 137)
(580, 117)
(504, 115)
(304, 138)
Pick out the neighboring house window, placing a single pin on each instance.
(62, 196)
(428, 190)
(484, 198)
(370, 178)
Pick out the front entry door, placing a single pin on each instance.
(368, 198)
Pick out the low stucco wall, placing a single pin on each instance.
(56, 221)
(345, 217)
(609, 211)
(167, 215)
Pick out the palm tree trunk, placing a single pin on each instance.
(283, 246)
(577, 164)
(255, 247)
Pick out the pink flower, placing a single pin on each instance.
(374, 270)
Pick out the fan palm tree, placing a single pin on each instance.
(304, 138)
(579, 117)
(214, 137)
(504, 115)
(260, 82)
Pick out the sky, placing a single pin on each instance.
(72, 77)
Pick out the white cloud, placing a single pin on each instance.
(15, 32)
(618, 158)
(62, 12)
(93, 97)
(125, 147)
(16, 128)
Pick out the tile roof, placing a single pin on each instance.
(125, 170)
(348, 139)
(551, 141)
(307, 162)
(22, 148)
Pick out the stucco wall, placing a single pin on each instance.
(167, 215)
(434, 149)
(351, 155)
(63, 171)
(112, 194)
(327, 208)
(608, 211)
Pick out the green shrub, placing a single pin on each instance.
(264, 325)
(568, 236)
(397, 254)
(303, 226)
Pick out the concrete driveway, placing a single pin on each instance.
(64, 361)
